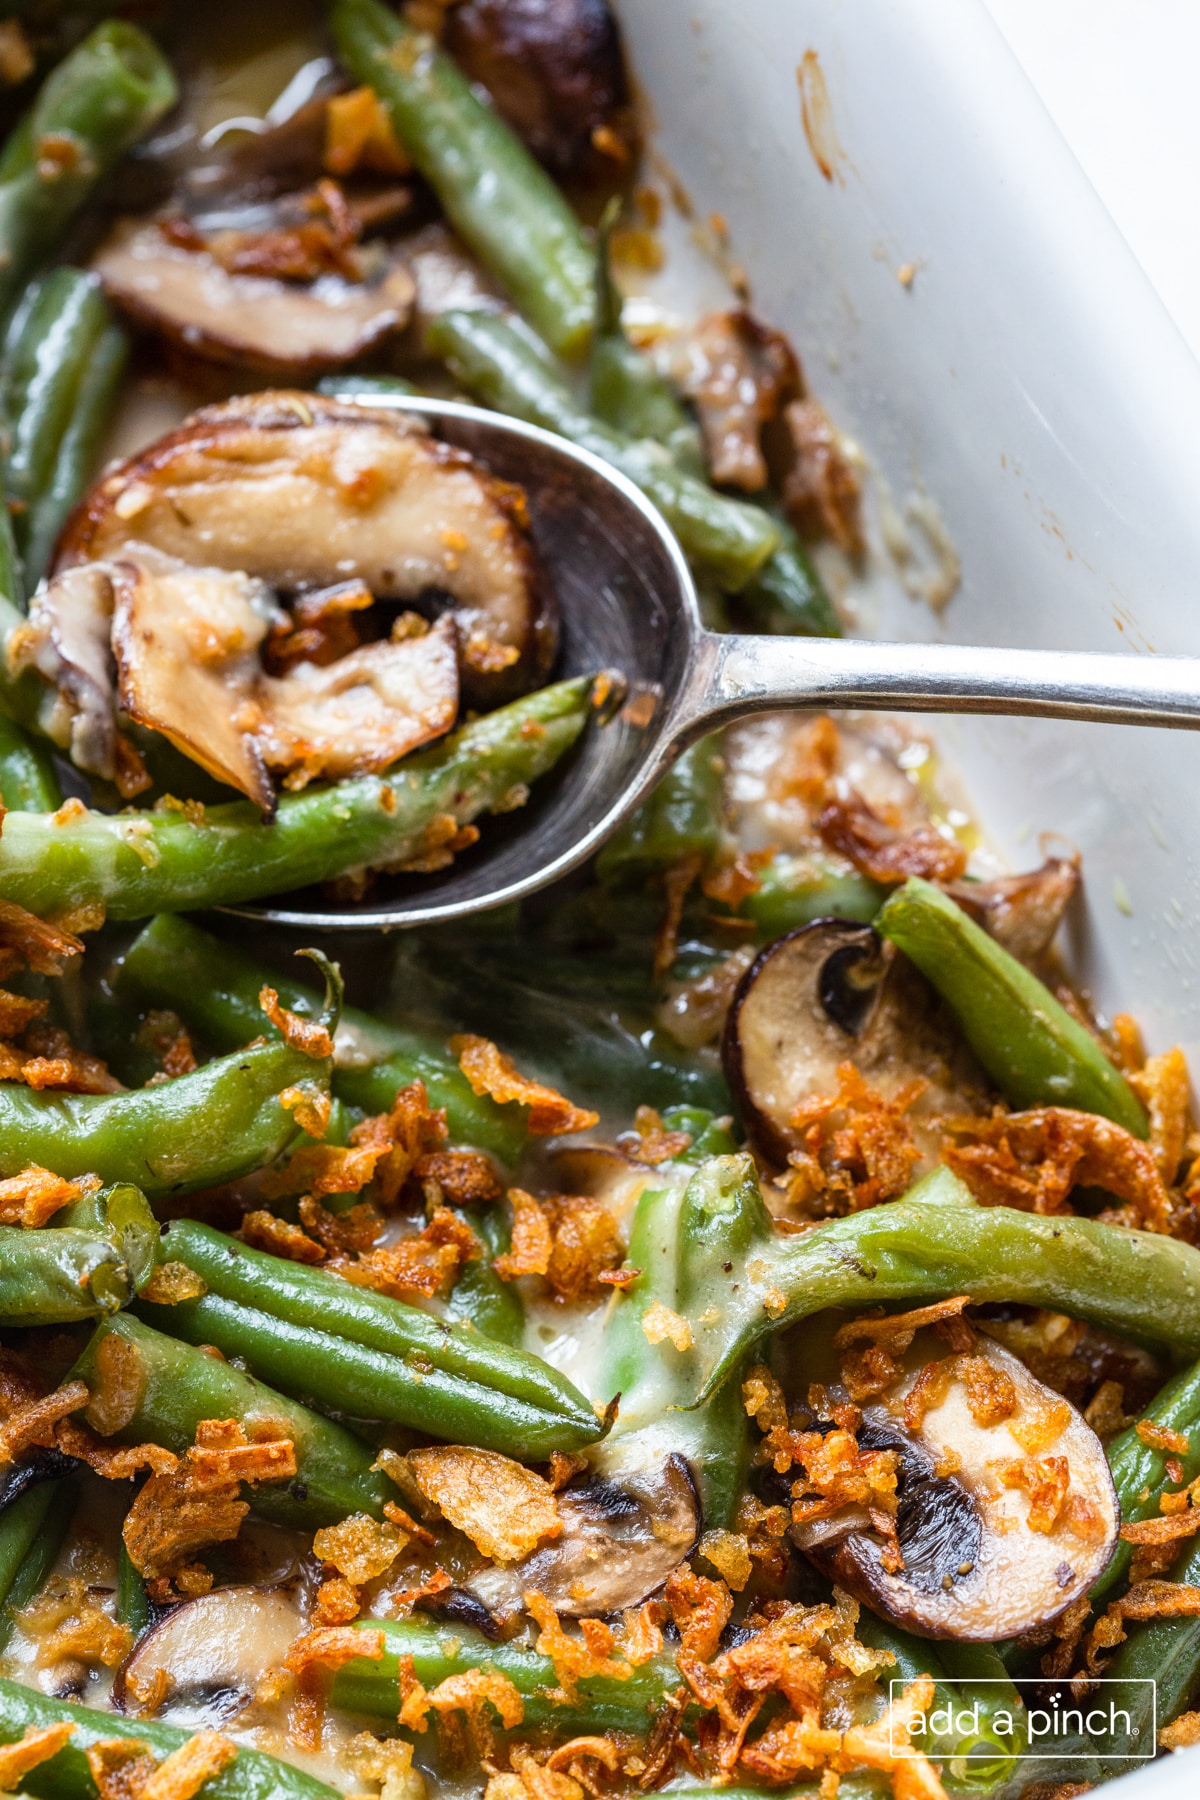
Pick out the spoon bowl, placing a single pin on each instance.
(628, 606)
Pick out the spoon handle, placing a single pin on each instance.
(733, 676)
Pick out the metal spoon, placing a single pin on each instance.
(628, 603)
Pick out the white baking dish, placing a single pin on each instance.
(1029, 381)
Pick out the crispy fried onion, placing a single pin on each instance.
(124, 1768)
(1145, 1600)
(181, 1511)
(504, 1508)
(796, 1655)
(831, 1470)
(821, 491)
(858, 1147)
(384, 1148)
(46, 1058)
(65, 1621)
(1033, 1160)
(570, 1239)
(491, 1073)
(650, 1141)
(43, 945)
(878, 850)
(561, 1774)
(34, 1196)
(309, 1036)
(31, 1419)
(36, 1746)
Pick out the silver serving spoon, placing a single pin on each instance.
(628, 603)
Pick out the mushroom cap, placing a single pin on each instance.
(286, 330)
(975, 1568)
(214, 1650)
(828, 993)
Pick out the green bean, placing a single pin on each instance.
(28, 782)
(77, 448)
(710, 1135)
(133, 1602)
(625, 390)
(439, 1651)
(795, 890)
(253, 1776)
(681, 818)
(357, 1352)
(969, 1722)
(215, 989)
(479, 1297)
(787, 593)
(48, 354)
(1158, 1669)
(142, 863)
(1138, 1468)
(178, 1386)
(504, 206)
(1035, 1052)
(52, 1277)
(32, 1532)
(363, 387)
(122, 1215)
(224, 1120)
(94, 106)
(726, 539)
(1137, 1283)
(655, 1380)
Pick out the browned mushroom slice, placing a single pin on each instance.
(739, 373)
(187, 642)
(67, 639)
(300, 491)
(212, 1653)
(623, 1533)
(360, 714)
(552, 67)
(1022, 912)
(829, 993)
(279, 328)
(1007, 1511)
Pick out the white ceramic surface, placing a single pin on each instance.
(1029, 381)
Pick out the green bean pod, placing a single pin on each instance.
(353, 1351)
(66, 1776)
(1157, 1670)
(677, 1228)
(122, 1215)
(91, 109)
(1138, 1468)
(215, 989)
(75, 458)
(1035, 1052)
(32, 1532)
(439, 1651)
(142, 863)
(178, 1386)
(795, 890)
(223, 1120)
(1137, 1283)
(503, 205)
(352, 386)
(53, 1277)
(133, 1602)
(28, 782)
(625, 390)
(787, 593)
(479, 1297)
(726, 539)
(681, 818)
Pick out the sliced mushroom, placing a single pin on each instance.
(828, 993)
(16, 1478)
(1022, 912)
(739, 373)
(187, 642)
(299, 491)
(552, 67)
(283, 329)
(623, 1532)
(213, 1651)
(67, 639)
(603, 1173)
(974, 1567)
